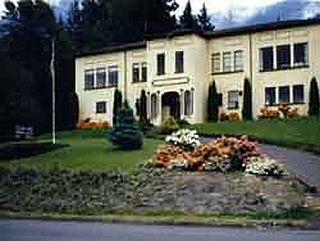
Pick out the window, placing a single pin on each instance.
(216, 68)
(298, 94)
(283, 57)
(238, 60)
(227, 62)
(270, 96)
(233, 99)
(160, 64)
(101, 78)
(113, 76)
(135, 73)
(89, 79)
(179, 62)
(101, 107)
(266, 59)
(284, 94)
(144, 72)
(188, 103)
(154, 106)
(300, 51)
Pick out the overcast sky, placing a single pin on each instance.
(241, 9)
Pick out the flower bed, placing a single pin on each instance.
(88, 124)
(184, 151)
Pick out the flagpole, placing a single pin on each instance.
(53, 94)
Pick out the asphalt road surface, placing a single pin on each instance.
(16, 230)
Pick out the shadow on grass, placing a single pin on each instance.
(14, 151)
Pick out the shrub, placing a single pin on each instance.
(224, 116)
(117, 104)
(264, 167)
(185, 139)
(143, 107)
(287, 111)
(126, 133)
(268, 114)
(169, 125)
(314, 102)
(183, 123)
(247, 100)
(213, 103)
(88, 124)
(234, 116)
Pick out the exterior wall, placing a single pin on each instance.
(198, 74)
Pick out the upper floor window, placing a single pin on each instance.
(113, 75)
(101, 107)
(298, 94)
(226, 61)
(216, 68)
(179, 62)
(283, 57)
(135, 72)
(284, 94)
(270, 96)
(144, 72)
(101, 78)
(266, 58)
(300, 52)
(233, 99)
(238, 60)
(89, 79)
(160, 64)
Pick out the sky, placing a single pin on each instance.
(237, 12)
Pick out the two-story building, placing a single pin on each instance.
(175, 70)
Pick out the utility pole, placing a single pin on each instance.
(53, 93)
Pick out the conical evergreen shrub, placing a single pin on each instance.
(247, 100)
(314, 105)
(126, 133)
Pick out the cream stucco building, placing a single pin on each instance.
(176, 69)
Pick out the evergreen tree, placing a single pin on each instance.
(205, 20)
(126, 133)
(213, 103)
(117, 104)
(143, 107)
(247, 100)
(187, 19)
(314, 105)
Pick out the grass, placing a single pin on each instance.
(302, 133)
(86, 150)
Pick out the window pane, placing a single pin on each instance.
(216, 63)
(89, 79)
(300, 54)
(284, 94)
(101, 107)
(135, 73)
(160, 64)
(298, 94)
(144, 72)
(266, 58)
(233, 99)
(227, 61)
(113, 76)
(101, 77)
(270, 96)
(283, 57)
(179, 62)
(238, 60)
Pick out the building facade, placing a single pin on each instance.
(176, 69)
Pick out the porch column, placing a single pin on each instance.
(181, 104)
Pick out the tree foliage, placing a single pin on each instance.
(117, 104)
(314, 102)
(247, 100)
(126, 133)
(213, 103)
(205, 20)
(187, 19)
(143, 107)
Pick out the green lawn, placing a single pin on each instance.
(303, 133)
(87, 150)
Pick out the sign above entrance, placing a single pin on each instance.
(170, 81)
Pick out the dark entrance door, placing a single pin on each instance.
(171, 104)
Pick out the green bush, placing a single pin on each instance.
(314, 102)
(126, 133)
(169, 125)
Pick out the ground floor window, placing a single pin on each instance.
(284, 94)
(298, 94)
(154, 106)
(233, 99)
(101, 107)
(270, 96)
(188, 102)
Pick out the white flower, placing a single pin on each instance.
(185, 138)
(264, 167)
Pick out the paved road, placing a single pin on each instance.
(305, 165)
(27, 230)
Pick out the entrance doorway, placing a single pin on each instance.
(170, 102)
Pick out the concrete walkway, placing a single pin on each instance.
(304, 165)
